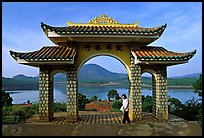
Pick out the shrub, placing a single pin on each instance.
(197, 86)
(82, 100)
(93, 98)
(16, 114)
(30, 113)
(116, 105)
(189, 110)
(116, 110)
(60, 107)
(21, 114)
(200, 117)
(147, 104)
(93, 109)
(10, 119)
(6, 99)
(35, 107)
(6, 110)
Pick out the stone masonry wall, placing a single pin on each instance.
(153, 95)
(160, 109)
(46, 109)
(72, 92)
(135, 94)
(46, 103)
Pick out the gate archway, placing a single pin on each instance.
(76, 43)
(105, 54)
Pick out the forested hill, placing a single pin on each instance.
(92, 74)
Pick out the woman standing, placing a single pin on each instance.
(125, 109)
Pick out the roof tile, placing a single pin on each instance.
(159, 53)
(47, 53)
(116, 30)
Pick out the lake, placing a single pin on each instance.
(22, 96)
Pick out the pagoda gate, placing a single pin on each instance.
(77, 43)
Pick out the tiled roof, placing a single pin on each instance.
(160, 53)
(104, 30)
(63, 53)
(47, 54)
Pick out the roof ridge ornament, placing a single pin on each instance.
(103, 19)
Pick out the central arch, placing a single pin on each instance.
(104, 54)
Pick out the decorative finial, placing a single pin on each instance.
(103, 19)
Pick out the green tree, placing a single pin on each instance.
(116, 105)
(147, 104)
(82, 100)
(6, 99)
(174, 105)
(113, 94)
(197, 86)
(190, 110)
(93, 98)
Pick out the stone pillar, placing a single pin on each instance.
(135, 94)
(160, 101)
(46, 109)
(72, 94)
(153, 94)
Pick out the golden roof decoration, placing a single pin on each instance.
(103, 20)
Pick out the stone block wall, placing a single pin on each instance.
(72, 94)
(154, 94)
(46, 109)
(46, 97)
(160, 98)
(135, 93)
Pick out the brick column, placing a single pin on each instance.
(160, 101)
(135, 94)
(72, 94)
(46, 109)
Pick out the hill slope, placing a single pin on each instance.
(92, 74)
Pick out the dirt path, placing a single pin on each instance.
(174, 127)
(195, 129)
(161, 129)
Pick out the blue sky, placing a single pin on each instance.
(21, 29)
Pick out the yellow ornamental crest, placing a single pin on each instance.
(103, 19)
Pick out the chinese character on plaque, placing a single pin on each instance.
(87, 47)
(109, 47)
(119, 48)
(98, 47)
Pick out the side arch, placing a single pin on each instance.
(154, 90)
(151, 71)
(56, 71)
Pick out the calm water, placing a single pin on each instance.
(21, 96)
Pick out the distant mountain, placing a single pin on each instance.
(194, 75)
(19, 83)
(92, 73)
(23, 77)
